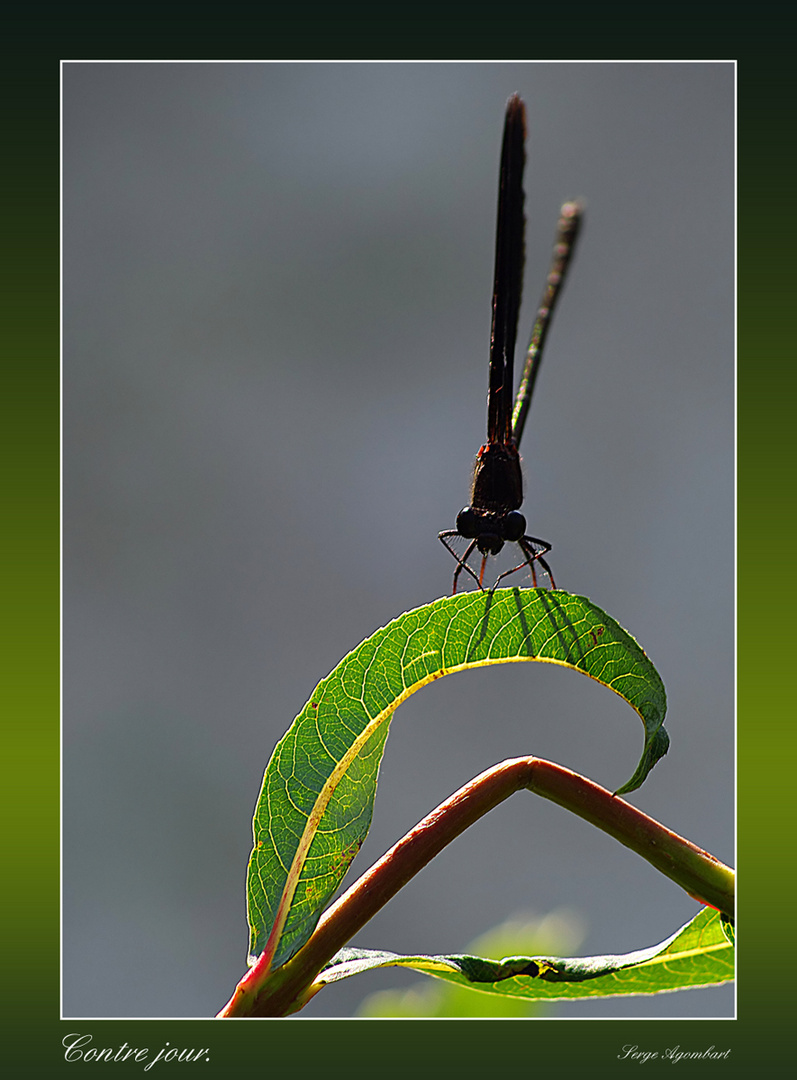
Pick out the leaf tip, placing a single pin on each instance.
(654, 751)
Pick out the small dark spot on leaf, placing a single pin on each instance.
(532, 969)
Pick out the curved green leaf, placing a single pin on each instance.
(699, 954)
(317, 797)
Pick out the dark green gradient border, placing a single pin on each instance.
(766, 529)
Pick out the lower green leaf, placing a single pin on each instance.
(699, 954)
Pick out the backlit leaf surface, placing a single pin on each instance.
(318, 791)
(699, 954)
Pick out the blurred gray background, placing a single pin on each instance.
(277, 285)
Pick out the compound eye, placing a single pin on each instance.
(468, 523)
(514, 525)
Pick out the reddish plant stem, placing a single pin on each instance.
(289, 988)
